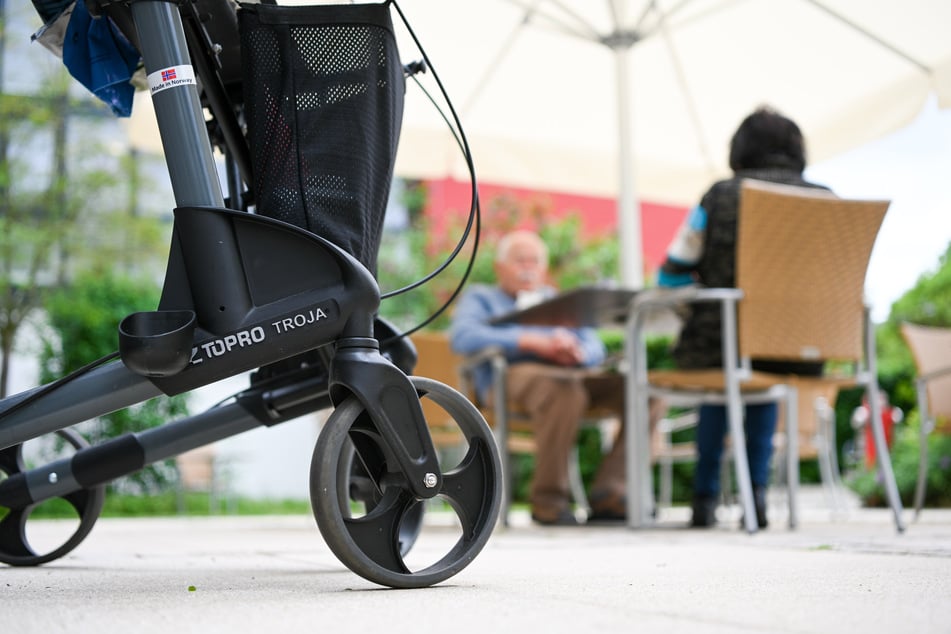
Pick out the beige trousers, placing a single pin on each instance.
(557, 398)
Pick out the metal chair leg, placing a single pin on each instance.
(882, 455)
(838, 486)
(575, 482)
(792, 455)
(826, 453)
(735, 415)
(922, 483)
(878, 428)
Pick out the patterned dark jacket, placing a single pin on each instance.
(699, 344)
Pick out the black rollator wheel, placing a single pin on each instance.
(372, 521)
(67, 520)
(359, 495)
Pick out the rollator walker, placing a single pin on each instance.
(306, 105)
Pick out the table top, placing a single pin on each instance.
(585, 306)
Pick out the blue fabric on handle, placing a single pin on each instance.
(97, 54)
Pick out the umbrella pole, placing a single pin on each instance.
(628, 210)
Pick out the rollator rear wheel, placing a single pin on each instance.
(71, 516)
(372, 521)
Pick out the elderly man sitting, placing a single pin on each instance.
(553, 376)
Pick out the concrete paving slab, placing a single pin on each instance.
(275, 574)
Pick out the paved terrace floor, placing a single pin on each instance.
(837, 573)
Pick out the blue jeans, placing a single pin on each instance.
(760, 425)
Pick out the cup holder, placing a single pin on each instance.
(157, 343)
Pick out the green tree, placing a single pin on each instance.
(84, 319)
(928, 302)
(425, 246)
(68, 215)
(33, 224)
(27, 241)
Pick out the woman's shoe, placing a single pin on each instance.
(704, 511)
(759, 503)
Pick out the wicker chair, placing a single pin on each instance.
(801, 262)
(817, 433)
(435, 360)
(931, 349)
(816, 441)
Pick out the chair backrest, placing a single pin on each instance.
(196, 468)
(802, 255)
(435, 358)
(437, 361)
(931, 349)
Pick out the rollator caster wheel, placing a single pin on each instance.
(374, 524)
(71, 516)
(356, 486)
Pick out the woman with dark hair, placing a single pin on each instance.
(768, 147)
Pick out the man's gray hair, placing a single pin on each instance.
(507, 241)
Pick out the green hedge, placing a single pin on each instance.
(905, 460)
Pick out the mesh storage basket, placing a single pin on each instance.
(323, 93)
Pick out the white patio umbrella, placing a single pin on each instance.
(639, 98)
(629, 98)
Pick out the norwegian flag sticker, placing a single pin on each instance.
(171, 77)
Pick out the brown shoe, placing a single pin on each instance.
(607, 507)
(561, 518)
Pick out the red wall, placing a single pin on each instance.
(449, 198)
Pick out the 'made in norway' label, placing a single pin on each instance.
(171, 77)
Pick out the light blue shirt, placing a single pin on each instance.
(685, 250)
(471, 331)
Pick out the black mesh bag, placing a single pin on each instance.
(323, 93)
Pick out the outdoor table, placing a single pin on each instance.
(585, 306)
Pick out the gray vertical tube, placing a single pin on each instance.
(177, 107)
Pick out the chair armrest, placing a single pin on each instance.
(678, 422)
(653, 299)
(495, 357)
(491, 354)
